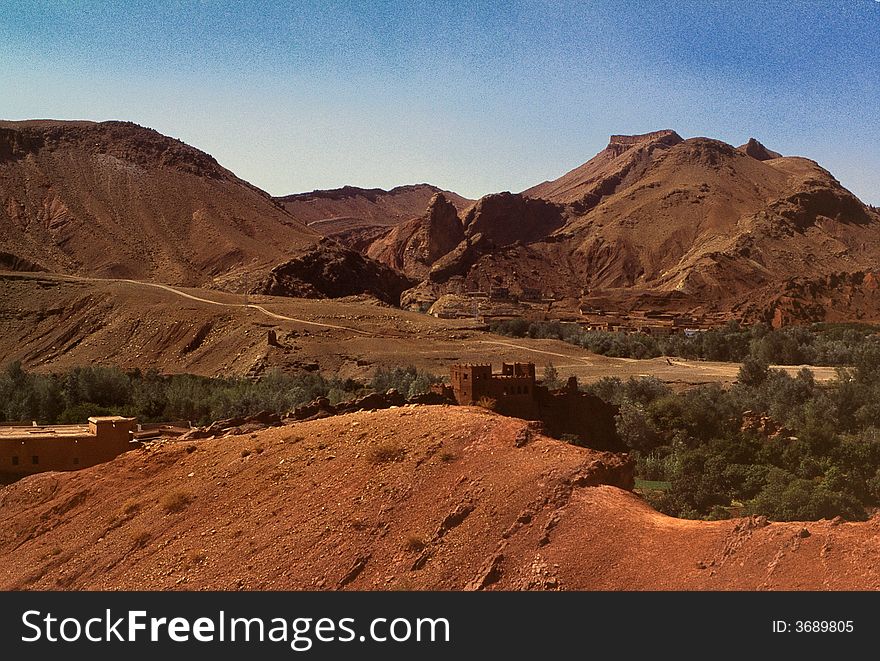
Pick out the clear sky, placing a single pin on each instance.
(476, 97)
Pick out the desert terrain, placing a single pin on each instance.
(121, 246)
(53, 322)
(653, 223)
(413, 498)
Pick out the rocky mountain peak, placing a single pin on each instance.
(758, 151)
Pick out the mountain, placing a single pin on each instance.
(653, 222)
(624, 160)
(115, 199)
(656, 222)
(357, 216)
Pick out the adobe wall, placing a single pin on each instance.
(471, 382)
(112, 430)
(516, 394)
(580, 414)
(41, 450)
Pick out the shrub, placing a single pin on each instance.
(635, 428)
(408, 381)
(175, 501)
(415, 543)
(487, 403)
(387, 453)
(551, 377)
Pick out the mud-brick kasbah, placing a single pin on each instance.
(516, 392)
(32, 449)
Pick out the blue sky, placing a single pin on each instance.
(475, 97)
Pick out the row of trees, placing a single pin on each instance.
(73, 396)
(817, 344)
(826, 463)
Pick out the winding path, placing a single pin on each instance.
(585, 361)
(253, 306)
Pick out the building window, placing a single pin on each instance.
(15, 461)
(35, 459)
(76, 461)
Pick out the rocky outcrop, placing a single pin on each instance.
(322, 408)
(414, 246)
(758, 151)
(763, 425)
(9, 262)
(459, 260)
(505, 218)
(234, 426)
(314, 410)
(16, 144)
(618, 144)
(330, 270)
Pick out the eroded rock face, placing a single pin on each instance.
(505, 218)
(332, 271)
(618, 144)
(458, 261)
(623, 161)
(415, 245)
(758, 151)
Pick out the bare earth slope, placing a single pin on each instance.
(116, 199)
(409, 498)
(52, 323)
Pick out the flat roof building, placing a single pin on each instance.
(25, 450)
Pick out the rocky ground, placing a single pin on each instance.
(415, 497)
(52, 323)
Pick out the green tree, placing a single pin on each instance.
(551, 377)
(753, 372)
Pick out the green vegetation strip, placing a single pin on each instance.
(816, 344)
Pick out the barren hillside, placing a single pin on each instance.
(52, 323)
(657, 222)
(408, 498)
(116, 199)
